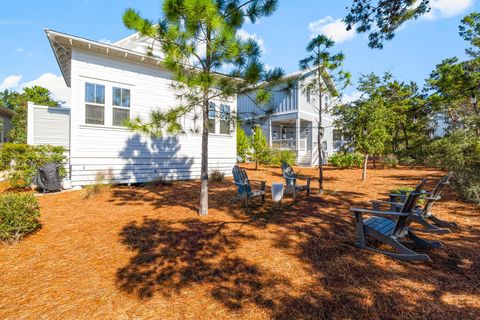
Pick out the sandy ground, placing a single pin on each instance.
(143, 253)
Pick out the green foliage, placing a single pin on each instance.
(19, 213)
(470, 31)
(98, 187)
(243, 144)
(381, 18)
(277, 157)
(460, 154)
(260, 148)
(18, 102)
(406, 191)
(390, 161)
(216, 176)
(407, 161)
(21, 161)
(346, 160)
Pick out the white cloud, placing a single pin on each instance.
(20, 50)
(243, 34)
(336, 29)
(447, 8)
(48, 80)
(10, 82)
(347, 98)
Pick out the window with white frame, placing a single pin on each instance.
(308, 93)
(211, 118)
(94, 103)
(121, 106)
(224, 119)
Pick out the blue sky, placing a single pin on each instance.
(26, 57)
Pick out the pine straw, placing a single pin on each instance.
(142, 253)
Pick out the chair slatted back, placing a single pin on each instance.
(241, 178)
(408, 206)
(442, 183)
(288, 174)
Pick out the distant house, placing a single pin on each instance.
(290, 120)
(110, 83)
(5, 123)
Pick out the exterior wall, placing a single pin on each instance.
(125, 156)
(48, 125)
(283, 101)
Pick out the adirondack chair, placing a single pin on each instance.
(424, 213)
(244, 188)
(391, 227)
(291, 178)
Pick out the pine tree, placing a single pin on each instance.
(259, 146)
(199, 39)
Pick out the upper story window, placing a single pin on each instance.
(308, 94)
(224, 119)
(94, 103)
(211, 118)
(121, 106)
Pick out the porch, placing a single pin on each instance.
(294, 135)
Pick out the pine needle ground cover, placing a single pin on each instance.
(143, 253)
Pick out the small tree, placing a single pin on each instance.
(243, 144)
(326, 70)
(199, 39)
(366, 121)
(260, 147)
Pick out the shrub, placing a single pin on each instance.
(390, 161)
(22, 161)
(277, 157)
(407, 161)
(216, 176)
(243, 144)
(97, 188)
(407, 191)
(19, 214)
(460, 154)
(346, 160)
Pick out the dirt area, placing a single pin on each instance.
(143, 253)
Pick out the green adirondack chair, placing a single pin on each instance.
(244, 188)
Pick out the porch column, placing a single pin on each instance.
(270, 131)
(297, 135)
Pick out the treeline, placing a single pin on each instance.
(438, 125)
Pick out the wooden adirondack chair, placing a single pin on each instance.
(244, 188)
(291, 178)
(423, 214)
(390, 227)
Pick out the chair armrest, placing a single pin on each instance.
(379, 213)
(263, 184)
(397, 195)
(241, 184)
(387, 202)
(433, 198)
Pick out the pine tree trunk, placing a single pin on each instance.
(203, 208)
(320, 133)
(364, 171)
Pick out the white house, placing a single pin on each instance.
(290, 120)
(108, 84)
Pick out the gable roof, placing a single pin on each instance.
(62, 44)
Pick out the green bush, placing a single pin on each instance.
(407, 191)
(407, 161)
(19, 214)
(346, 160)
(277, 157)
(390, 161)
(22, 161)
(460, 154)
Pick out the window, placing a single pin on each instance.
(121, 106)
(94, 103)
(337, 135)
(224, 119)
(211, 118)
(308, 94)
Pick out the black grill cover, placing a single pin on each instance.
(48, 177)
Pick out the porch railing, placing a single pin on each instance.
(289, 144)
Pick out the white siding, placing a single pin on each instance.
(48, 125)
(125, 156)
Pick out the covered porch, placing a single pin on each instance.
(293, 134)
